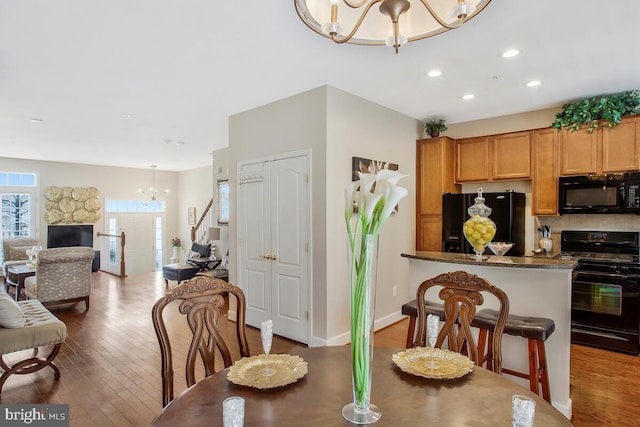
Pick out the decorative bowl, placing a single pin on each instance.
(500, 248)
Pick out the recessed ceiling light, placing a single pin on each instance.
(126, 116)
(534, 83)
(510, 53)
(434, 73)
(37, 120)
(468, 96)
(180, 143)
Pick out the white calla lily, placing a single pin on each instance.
(374, 208)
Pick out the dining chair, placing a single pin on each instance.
(461, 293)
(202, 301)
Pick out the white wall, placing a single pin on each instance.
(335, 126)
(359, 128)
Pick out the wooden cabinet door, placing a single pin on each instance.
(544, 183)
(621, 146)
(473, 159)
(429, 233)
(511, 155)
(434, 174)
(578, 152)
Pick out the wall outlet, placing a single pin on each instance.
(395, 291)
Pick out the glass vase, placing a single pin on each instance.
(363, 260)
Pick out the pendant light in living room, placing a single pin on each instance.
(153, 194)
(394, 23)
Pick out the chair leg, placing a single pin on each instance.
(544, 375)
(30, 365)
(411, 331)
(86, 301)
(534, 371)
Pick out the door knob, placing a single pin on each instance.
(273, 257)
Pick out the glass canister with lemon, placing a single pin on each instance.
(479, 230)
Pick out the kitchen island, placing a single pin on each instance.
(536, 286)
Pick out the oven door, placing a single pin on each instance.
(605, 310)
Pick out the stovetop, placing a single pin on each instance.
(615, 247)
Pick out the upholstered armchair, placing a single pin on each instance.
(15, 251)
(62, 275)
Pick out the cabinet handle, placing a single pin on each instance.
(273, 257)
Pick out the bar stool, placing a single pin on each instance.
(411, 309)
(535, 329)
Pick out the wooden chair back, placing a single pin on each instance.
(461, 294)
(202, 302)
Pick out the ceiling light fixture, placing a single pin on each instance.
(510, 53)
(468, 96)
(534, 83)
(341, 20)
(153, 192)
(434, 73)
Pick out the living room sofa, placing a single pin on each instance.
(62, 275)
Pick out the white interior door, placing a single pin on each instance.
(289, 249)
(273, 244)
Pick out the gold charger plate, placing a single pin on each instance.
(433, 363)
(281, 369)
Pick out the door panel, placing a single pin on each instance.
(289, 193)
(140, 247)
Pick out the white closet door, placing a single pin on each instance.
(255, 274)
(273, 244)
(289, 225)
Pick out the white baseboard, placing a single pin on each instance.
(345, 338)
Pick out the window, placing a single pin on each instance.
(223, 201)
(17, 192)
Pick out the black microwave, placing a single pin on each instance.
(600, 194)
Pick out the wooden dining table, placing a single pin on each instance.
(480, 398)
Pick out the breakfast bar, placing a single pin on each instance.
(536, 286)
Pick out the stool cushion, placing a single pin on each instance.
(537, 328)
(41, 328)
(411, 309)
(179, 271)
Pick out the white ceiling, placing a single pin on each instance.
(181, 68)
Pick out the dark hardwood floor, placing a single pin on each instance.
(110, 363)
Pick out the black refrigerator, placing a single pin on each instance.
(507, 211)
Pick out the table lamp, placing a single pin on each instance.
(213, 234)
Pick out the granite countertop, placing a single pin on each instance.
(494, 261)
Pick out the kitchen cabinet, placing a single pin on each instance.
(511, 155)
(604, 150)
(621, 146)
(544, 182)
(496, 157)
(434, 176)
(473, 159)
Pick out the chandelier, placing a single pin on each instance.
(347, 21)
(153, 192)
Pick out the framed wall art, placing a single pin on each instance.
(191, 216)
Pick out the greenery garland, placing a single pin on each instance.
(608, 108)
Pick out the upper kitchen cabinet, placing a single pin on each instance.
(615, 149)
(512, 155)
(620, 146)
(434, 176)
(544, 182)
(578, 152)
(473, 159)
(497, 157)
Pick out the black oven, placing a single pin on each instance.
(605, 307)
(599, 194)
(605, 289)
